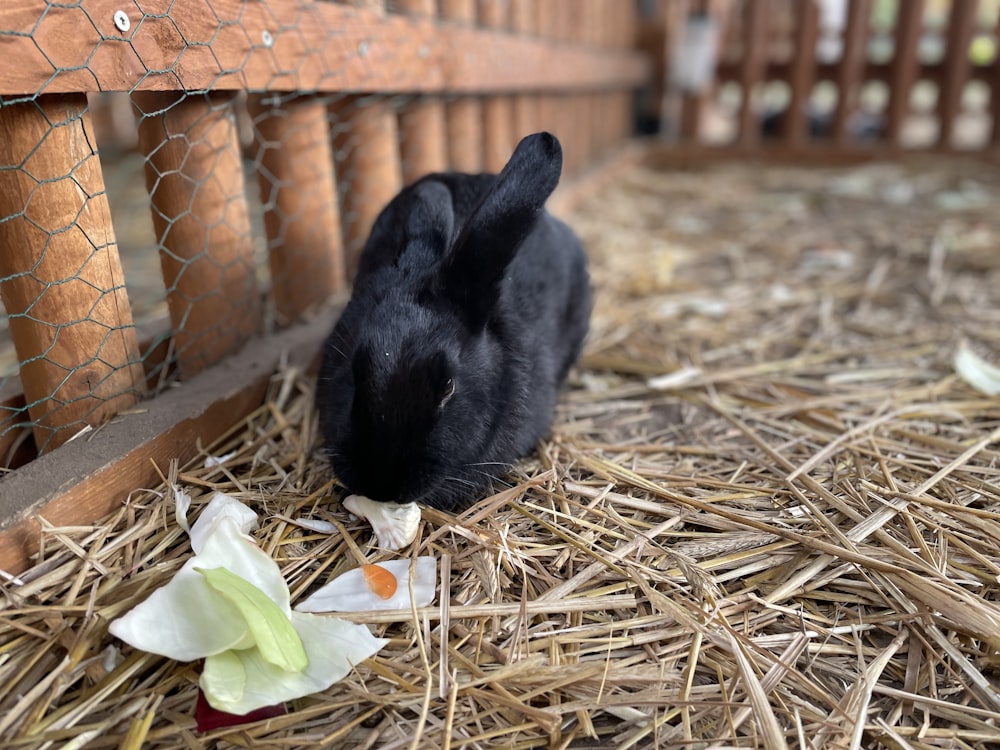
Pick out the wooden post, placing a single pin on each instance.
(367, 146)
(803, 74)
(752, 67)
(546, 21)
(422, 124)
(464, 113)
(298, 189)
(526, 117)
(851, 69)
(693, 104)
(524, 16)
(903, 70)
(64, 289)
(995, 91)
(957, 65)
(194, 176)
(498, 111)
(624, 36)
(368, 163)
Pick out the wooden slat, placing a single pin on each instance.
(464, 114)
(752, 68)
(423, 138)
(803, 73)
(546, 19)
(298, 189)
(194, 176)
(693, 104)
(903, 69)
(498, 132)
(961, 23)
(993, 80)
(314, 46)
(524, 22)
(498, 112)
(368, 155)
(62, 280)
(465, 134)
(523, 16)
(368, 161)
(87, 479)
(526, 115)
(851, 67)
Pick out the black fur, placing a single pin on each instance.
(470, 305)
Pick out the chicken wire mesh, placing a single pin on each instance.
(226, 187)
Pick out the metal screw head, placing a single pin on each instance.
(363, 49)
(267, 38)
(122, 22)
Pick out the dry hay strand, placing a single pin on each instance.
(791, 541)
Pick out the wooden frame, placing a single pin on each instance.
(285, 45)
(514, 67)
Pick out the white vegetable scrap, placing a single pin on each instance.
(230, 606)
(212, 461)
(976, 371)
(386, 585)
(395, 525)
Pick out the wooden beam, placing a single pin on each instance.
(298, 189)
(282, 45)
(464, 114)
(62, 280)
(993, 80)
(781, 71)
(753, 67)
(498, 111)
(903, 68)
(851, 68)
(961, 24)
(422, 134)
(366, 144)
(92, 476)
(803, 73)
(194, 175)
(814, 153)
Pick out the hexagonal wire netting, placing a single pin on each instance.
(149, 232)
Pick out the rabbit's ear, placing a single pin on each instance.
(497, 227)
(431, 215)
(422, 214)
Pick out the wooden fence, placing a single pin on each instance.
(344, 102)
(853, 77)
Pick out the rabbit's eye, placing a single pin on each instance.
(449, 391)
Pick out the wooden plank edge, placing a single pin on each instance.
(662, 155)
(330, 47)
(17, 443)
(90, 477)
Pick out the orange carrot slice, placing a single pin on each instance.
(379, 580)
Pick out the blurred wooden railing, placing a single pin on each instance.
(806, 45)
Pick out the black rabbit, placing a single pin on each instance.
(470, 305)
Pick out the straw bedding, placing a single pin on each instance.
(768, 516)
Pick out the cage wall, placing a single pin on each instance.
(177, 179)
